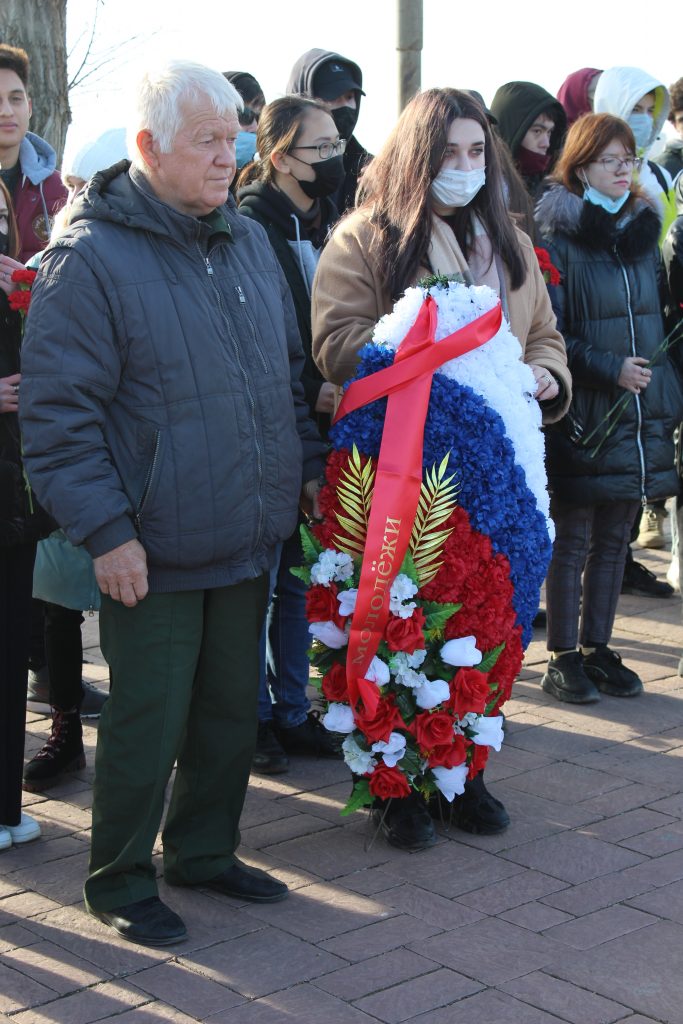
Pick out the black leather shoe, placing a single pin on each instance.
(269, 757)
(478, 811)
(247, 884)
(310, 739)
(405, 822)
(148, 922)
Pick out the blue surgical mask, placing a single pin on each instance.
(642, 127)
(245, 148)
(591, 195)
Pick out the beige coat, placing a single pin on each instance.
(349, 297)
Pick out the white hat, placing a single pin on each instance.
(104, 151)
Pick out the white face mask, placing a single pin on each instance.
(458, 188)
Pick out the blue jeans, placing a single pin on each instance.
(284, 642)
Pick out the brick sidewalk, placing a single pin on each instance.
(574, 914)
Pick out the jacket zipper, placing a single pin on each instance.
(243, 302)
(148, 482)
(248, 389)
(639, 411)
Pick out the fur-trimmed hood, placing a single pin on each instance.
(561, 212)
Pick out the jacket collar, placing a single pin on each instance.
(632, 234)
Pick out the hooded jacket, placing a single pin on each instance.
(301, 82)
(617, 92)
(608, 307)
(573, 93)
(672, 252)
(671, 157)
(161, 392)
(298, 257)
(39, 195)
(516, 106)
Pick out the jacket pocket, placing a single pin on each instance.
(153, 450)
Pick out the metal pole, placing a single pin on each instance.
(409, 47)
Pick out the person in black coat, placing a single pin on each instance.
(288, 190)
(22, 523)
(602, 236)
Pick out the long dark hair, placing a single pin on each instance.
(13, 241)
(396, 188)
(280, 127)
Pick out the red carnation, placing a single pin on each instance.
(321, 603)
(334, 684)
(379, 726)
(23, 276)
(406, 634)
(470, 692)
(19, 301)
(388, 783)
(434, 729)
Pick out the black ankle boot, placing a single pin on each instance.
(476, 810)
(62, 753)
(405, 822)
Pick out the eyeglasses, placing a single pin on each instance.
(326, 149)
(614, 163)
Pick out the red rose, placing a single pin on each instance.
(380, 726)
(334, 685)
(450, 755)
(470, 692)
(321, 603)
(387, 783)
(434, 729)
(479, 758)
(406, 634)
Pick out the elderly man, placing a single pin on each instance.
(163, 425)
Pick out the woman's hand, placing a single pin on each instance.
(9, 393)
(7, 268)
(547, 387)
(326, 397)
(635, 374)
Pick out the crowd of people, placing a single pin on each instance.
(204, 282)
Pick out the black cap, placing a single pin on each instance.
(247, 86)
(335, 78)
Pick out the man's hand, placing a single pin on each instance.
(122, 573)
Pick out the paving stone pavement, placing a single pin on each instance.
(574, 914)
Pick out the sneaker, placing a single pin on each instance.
(640, 581)
(673, 574)
(566, 680)
(651, 533)
(405, 822)
(5, 838)
(26, 831)
(311, 738)
(609, 673)
(38, 695)
(62, 753)
(269, 757)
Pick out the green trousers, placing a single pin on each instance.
(184, 674)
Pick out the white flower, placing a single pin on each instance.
(378, 672)
(347, 601)
(392, 750)
(462, 651)
(360, 761)
(431, 692)
(450, 781)
(409, 677)
(402, 589)
(331, 565)
(329, 634)
(339, 718)
(488, 729)
(400, 661)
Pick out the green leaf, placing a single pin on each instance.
(436, 620)
(406, 705)
(310, 544)
(489, 659)
(409, 570)
(411, 762)
(360, 797)
(302, 572)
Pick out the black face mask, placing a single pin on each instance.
(4, 243)
(345, 119)
(328, 177)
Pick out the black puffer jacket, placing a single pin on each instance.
(21, 518)
(608, 307)
(672, 251)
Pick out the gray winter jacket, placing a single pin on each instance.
(160, 389)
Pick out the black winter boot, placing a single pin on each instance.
(476, 810)
(62, 753)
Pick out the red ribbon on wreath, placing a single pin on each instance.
(407, 383)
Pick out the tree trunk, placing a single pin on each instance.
(39, 26)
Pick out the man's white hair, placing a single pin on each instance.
(160, 95)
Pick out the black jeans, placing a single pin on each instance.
(56, 641)
(586, 571)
